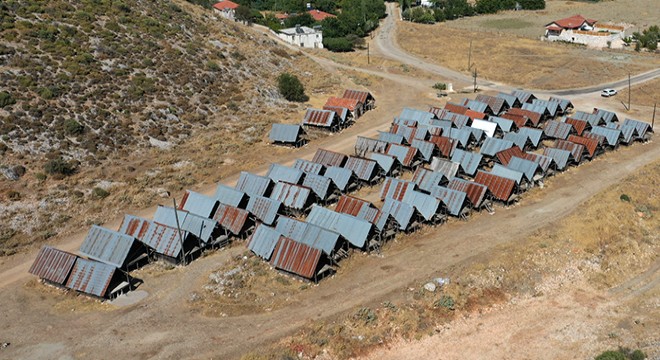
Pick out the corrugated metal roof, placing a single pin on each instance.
(405, 154)
(359, 95)
(561, 157)
(355, 230)
(296, 258)
(419, 116)
(428, 206)
(264, 209)
(444, 166)
(320, 185)
(527, 167)
(329, 158)
(395, 188)
(508, 173)
(252, 185)
(492, 146)
(496, 104)
(286, 133)
(427, 179)
(477, 106)
(196, 203)
(341, 112)
(505, 156)
(309, 167)
(291, 195)
(390, 137)
(523, 96)
(231, 218)
(199, 226)
(364, 169)
(557, 130)
(386, 162)
(454, 119)
(543, 161)
(340, 176)
(533, 116)
(607, 116)
(134, 226)
(164, 239)
(520, 140)
(641, 127)
(510, 100)
(407, 133)
(364, 145)
(445, 145)
(505, 124)
(463, 135)
(551, 108)
(592, 119)
(487, 127)
(469, 161)
(406, 122)
(350, 104)
(519, 120)
(475, 192)
(590, 144)
(229, 196)
(108, 246)
(262, 241)
(425, 148)
(563, 103)
(309, 234)
(322, 118)
(422, 132)
(599, 138)
(401, 212)
(579, 125)
(359, 208)
(534, 135)
(279, 172)
(456, 108)
(499, 186)
(627, 131)
(53, 265)
(91, 277)
(454, 200)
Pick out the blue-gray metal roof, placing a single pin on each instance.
(196, 203)
(505, 124)
(384, 161)
(229, 196)
(53, 265)
(199, 226)
(504, 172)
(612, 136)
(496, 104)
(475, 191)
(550, 106)
(406, 122)
(364, 169)
(365, 145)
(253, 184)
(262, 241)
(475, 105)
(523, 96)
(108, 246)
(279, 172)
(557, 129)
(165, 240)
(165, 215)
(320, 185)
(395, 188)
(627, 131)
(264, 209)
(560, 157)
(340, 176)
(469, 161)
(537, 108)
(444, 166)
(405, 154)
(641, 127)
(401, 212)
(426, 148)
(608, 116)
(527, 167)
(309, 234)
(543, 161)
(444, 124)
(427, 179)
(291, 195)
(390, 137)
(488, 127)
(592, 119)
(520, 140)
(408, 132)
(563, 103)
(454, 200)
(477, 134)
(463, 135)
(421, 132)
(91, 277)
(355, 230)
(286, 133)
(309, 167)
(419, 116)
(492, 146)
(534, 135)
(428, 206)
(510, 100)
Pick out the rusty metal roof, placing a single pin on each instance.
(518, 119)
(329, 158)
(364, 169)
(454, 200)
(500, 187)
(523, 96)
(446, 146)
(505, 124)
(544, 161)
(469, 161)
(487, 127)
(452, 119)
(353, 229)
(405, 122)
(264, 209)
(427, 205)
(386, 162)
(252, 184)
(478, 106)
(359, 208)
(527, 167)
(407, 132)
(505, 156)
(291, 195)
(308, 233)
(196, 203)
(229, 196)
(286, 133)
(492, 146)
(405, 154)
(309, 167)
(341, 112)
(534, 135)
(134, 226)
(401, 212)
(364, 145)
(295, 257)
(447, 167)
(454, 108)
(509, 100)
(579, 125)
(231, 218)
(641, 127)
(599, 138)
(278, 172)
(359, 95)
(91, 277)
(475, 192)
(425, 148)
(561, 157)
(558, 130)
(590, 144)
(320, 185)
(53, 265)
(508, 173)
(427, 179)
(164, 239)
(262, 241)
(340, 176)
(496, 104)
(322, 118)
(108, 246)
(533, 116)
(395, 188)
(389, 137)
(350, 104)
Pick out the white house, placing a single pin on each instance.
(226, 9)
(580, 30)
(303, 36)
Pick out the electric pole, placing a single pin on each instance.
(474, 75)
(368, 61)
(628, 91)
(470, 56)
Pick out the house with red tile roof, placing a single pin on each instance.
(226, 9)
(580, 30)
(319, 15)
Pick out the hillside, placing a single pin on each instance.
(109, 92)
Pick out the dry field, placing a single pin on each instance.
(645, 94)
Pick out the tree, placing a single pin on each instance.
(60, 167)
(304, 19)
(244, 14)
(291, 88)
(340, 44)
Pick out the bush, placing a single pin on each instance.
(14, 195)
(338, 44)
(73, 127)
(6, 99)
(100, 193)
(622, 354)
(59, 167)
(440, 86)
(419, 15)
(532, 4)
(291, 88)
(611, 355)
(624, 197)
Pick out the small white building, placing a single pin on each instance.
(303, 36)
(226, 9)
(580, 30)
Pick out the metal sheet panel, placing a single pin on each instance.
(427, 205)
(253, 185)
(641, 127)
(446, 167)
(523, 96)
(463, 135)
(320, 185)
(364, 169)
(426, 148)
(533, 116)
(505, 124)
(342, 112)
(540, 109)
(200, 226)
(108, 246)
(590, 144)
(405, 154)
(229, 196)
(592, 119)
(264, 209)
(445, 145)
(164, 239)
(627, 131)
(612, 136)
(561, 157)
(134, 226)
(543, 161)
(508, 173)
(309, 167)
(386, 162)
(527, 167)
(355, 230)
(359, 208)
(496, 104)
(231, 218)
(520, 140)
(492, 146)
(454, 200)
(359, 95)
(286, 133)
(454, 108)
(296, 258)
(475, 191)
(500, 187)
(329, 158)
(263, 240)
(469, 161)
(395, 188)
(427, 179)
(401, 212)
(321, 118)
(291, 195)
(91, 277)
(510, 100)
(340, 176)
(199, 204)
(534, 135)
(420, 116)
(350, 104)
(551, 107)
(505, 156)
(407, 132)
(607, 116)
(364, 145)
(563, 103)
(478, 106)
(53, 265)
(557, 130)
(309, 234)
(278, 172)
(579, 125)
(487, 127)
(390, 137)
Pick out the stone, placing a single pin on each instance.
(429, 287)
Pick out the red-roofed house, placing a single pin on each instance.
(319, 15)
(226, 9)
(578, 29)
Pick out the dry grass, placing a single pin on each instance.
(645, 94)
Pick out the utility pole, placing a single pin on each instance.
(178, 228)
(474, 75)
(368, 61)
(470, 56)
(628, 91)
(653, 118)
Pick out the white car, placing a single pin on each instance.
(608, 92)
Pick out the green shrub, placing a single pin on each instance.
(446, 302)
(100, 193)
(73, 127)
(440, 86)
(59, 167)
(291, 88)
(611, 355)
(14, 195)
(40, 176)
(624, 197)
(341, 44)
(6, 99)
